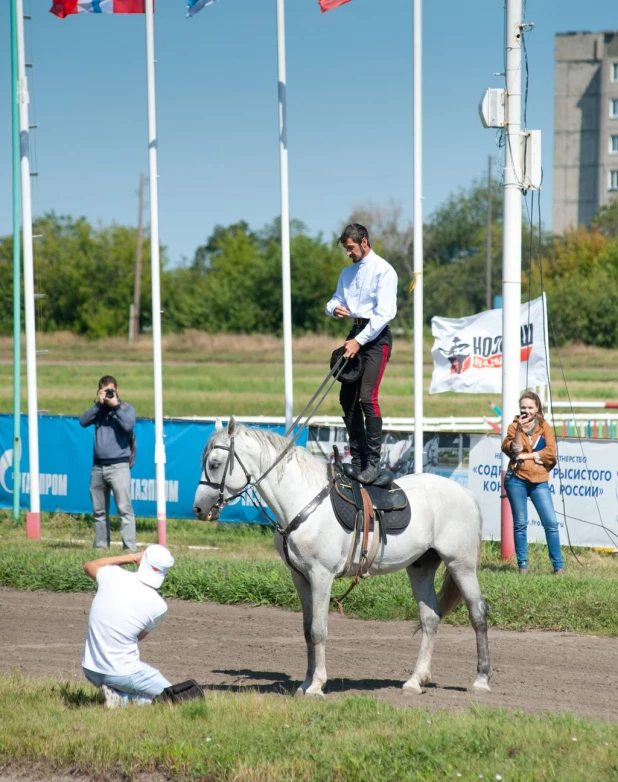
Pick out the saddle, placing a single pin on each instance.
(389, 505)
(363, 508)
(385, 498)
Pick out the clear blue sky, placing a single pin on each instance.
(349, 108)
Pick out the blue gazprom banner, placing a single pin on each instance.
(65, 460)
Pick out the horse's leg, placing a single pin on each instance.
(422, 581)
(315, 598)
(466, 579)
(303, 587)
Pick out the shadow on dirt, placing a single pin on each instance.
(281, 684)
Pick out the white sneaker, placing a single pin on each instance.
(111, 699)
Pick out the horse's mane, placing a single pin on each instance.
(310, 467)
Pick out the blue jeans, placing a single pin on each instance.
(139, 687)
(518, 490)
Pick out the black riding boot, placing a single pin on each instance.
(373, 427)
(355, 426)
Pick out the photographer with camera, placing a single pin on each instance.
(114, 451)
(531, 446)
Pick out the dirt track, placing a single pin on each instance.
(233, 647)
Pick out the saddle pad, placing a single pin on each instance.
(391, 499)
(394, 520)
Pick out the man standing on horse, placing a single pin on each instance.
(366, 292)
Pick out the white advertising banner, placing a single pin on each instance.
(584, 487)
(467, 352)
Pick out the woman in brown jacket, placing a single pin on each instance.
(531, 444)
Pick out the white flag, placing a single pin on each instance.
(467, 352)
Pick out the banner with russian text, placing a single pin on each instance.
(65, 454)
(584, 489)
(467, 352)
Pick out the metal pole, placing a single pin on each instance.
(33, 517)
(488, 298)
(16, 269)
(285, 219)
(418, 238)
(545, 397)
(511, 248)
(137, 286)
(156, 277)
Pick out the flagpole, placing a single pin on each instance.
(33, 517)
(156, 277)
(16, 269)
(418, 238)
(285, 220)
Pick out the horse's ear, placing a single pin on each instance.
(231, 427)
(218, 425)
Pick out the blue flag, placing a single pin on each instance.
(193, 6)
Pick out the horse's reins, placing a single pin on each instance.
(335, 372)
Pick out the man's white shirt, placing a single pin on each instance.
(123, 607)
(369, 290)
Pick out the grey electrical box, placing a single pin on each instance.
(531, 159)
(491, 108)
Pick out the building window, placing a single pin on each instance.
(613, 145)
(612, 183)
(614, 71)
(613, 108)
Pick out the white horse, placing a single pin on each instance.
(445, 526)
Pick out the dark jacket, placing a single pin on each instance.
(112, 432)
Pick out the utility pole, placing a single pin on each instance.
(488, 297)
(522, 171)
(511, 249)
(134, 328)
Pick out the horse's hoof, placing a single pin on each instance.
(299, 692)
(314, 693)
(481, 685)
(413, 687)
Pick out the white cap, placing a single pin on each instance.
(154, 566)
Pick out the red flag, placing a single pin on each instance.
(63, 8)
(327, 5)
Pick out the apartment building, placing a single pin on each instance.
(585, 126)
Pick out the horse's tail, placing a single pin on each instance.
(450, 595)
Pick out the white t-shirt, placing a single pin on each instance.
(122, 608)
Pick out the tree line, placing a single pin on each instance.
(233, 281)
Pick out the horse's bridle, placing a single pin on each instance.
(229, 466)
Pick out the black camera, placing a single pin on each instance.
(110, 393)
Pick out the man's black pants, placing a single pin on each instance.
(359, 401)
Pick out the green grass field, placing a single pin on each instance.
(256, 738)
(242, 566)
(212, 375)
